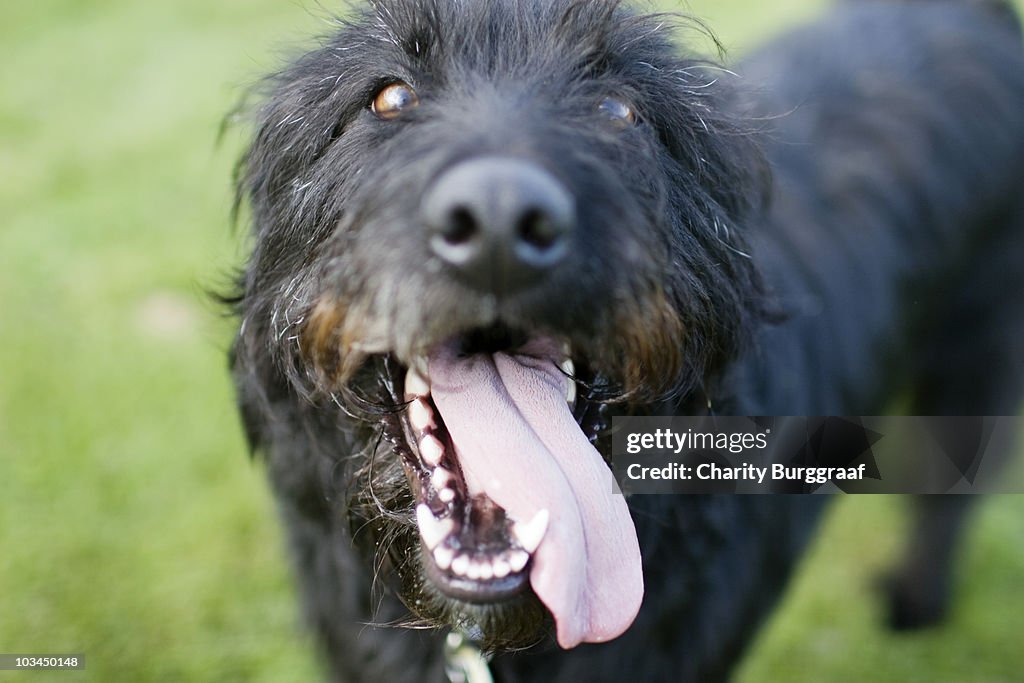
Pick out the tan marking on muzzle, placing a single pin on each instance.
(329, 341)
(650, 347)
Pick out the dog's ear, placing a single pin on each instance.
(294, 122)
(298, 113)
(297, 117)
(696, 117)
(718, 191)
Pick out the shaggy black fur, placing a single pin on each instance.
(882, 261)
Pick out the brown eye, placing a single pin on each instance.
(394, 99)
(617, 111)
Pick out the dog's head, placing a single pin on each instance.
(478, 224)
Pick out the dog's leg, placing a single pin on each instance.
(919, 590)
(356, 620)
(975, 368)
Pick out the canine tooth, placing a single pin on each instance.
(432, 529)
(460, 565)
(440, 478)
(431, 450)
(415, 384)
(446, 495)
(530, 534)
(501, 568)
(517, 559)
(443, 556)
(570, 370)
(420, 415)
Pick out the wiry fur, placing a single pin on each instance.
(897, 166)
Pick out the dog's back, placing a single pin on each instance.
(895, 131)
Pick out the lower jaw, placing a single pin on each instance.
(493, 592)
(518, 620)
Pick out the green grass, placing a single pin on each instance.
(133, 527)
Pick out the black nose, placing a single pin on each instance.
(500, 224)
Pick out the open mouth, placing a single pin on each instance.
(497, 444)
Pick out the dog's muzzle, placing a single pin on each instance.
(499, 224)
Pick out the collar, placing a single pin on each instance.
(463, 660)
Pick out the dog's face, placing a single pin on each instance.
(478, 224)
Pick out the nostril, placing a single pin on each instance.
(537, 230)
(461, 226)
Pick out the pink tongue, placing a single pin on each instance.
(517, 439)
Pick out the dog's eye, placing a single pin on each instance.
(618, 112)
(394, 99)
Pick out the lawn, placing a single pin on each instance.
(133, 526)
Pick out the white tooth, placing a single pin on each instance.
(415, 384)
(443, 556)
(432, 529)
(431, 450)
(570, 392)
(460, 565)
(517, 559)
(530, 534)
(446, 495)
(473, 571)
(420, 415)
(501, 568)
(486, 570)
(440, 478)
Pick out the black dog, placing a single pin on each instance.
(483, 228)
